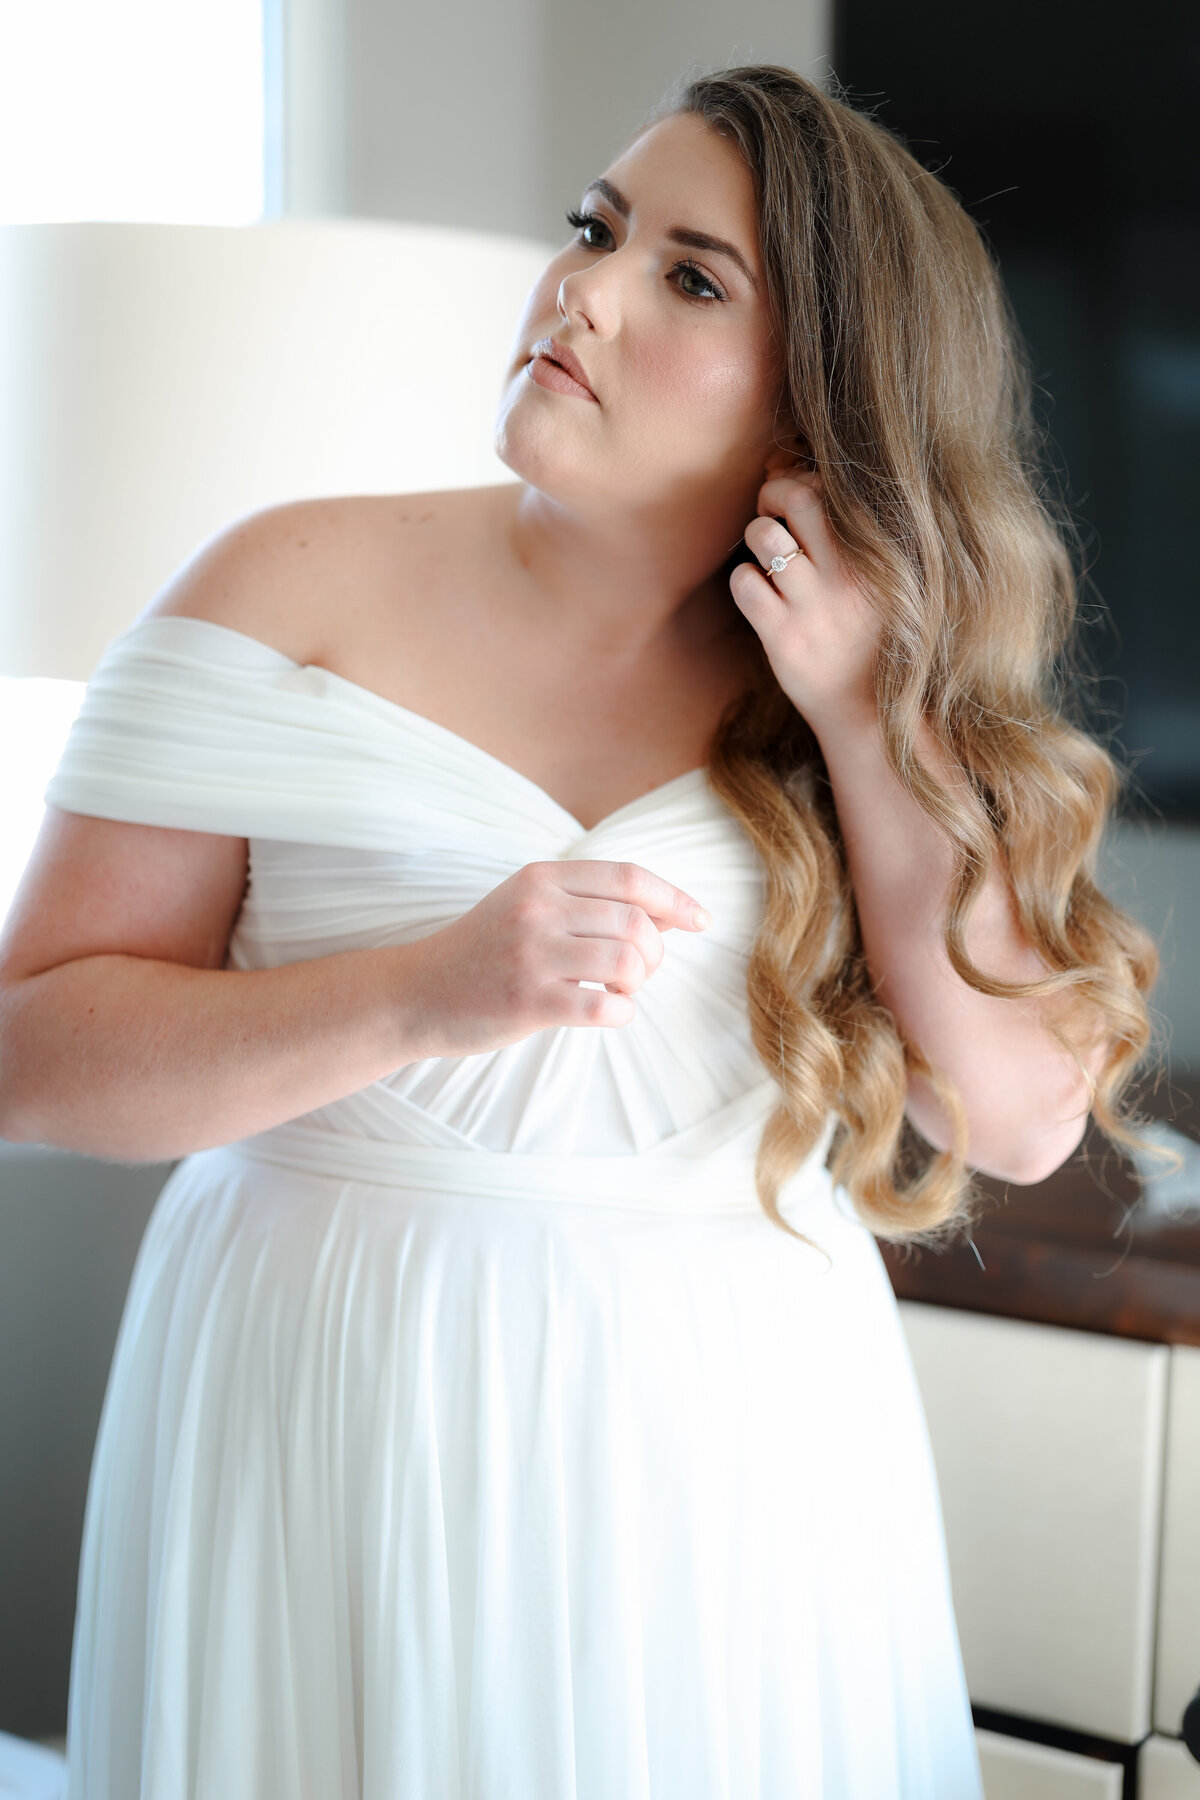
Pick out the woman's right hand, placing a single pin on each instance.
(512, 964)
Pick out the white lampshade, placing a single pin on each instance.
(158, 381)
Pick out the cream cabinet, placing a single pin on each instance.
(1177, 1675)
(1069, 1468)
(1015, 1770)
(1166, 1771)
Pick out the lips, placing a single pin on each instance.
(566, 359)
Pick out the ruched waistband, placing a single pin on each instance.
(648, 1181)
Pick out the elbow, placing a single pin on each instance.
(10, 1132)
(1024, 1159)
(15, 1126)
(1017, 1150)
(10, 1129)
(1016, 1135)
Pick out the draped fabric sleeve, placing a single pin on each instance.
(195, 726)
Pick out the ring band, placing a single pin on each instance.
(779, 563)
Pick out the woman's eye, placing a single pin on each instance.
(691, 268)
(584, 222)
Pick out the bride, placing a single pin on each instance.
(559, 926)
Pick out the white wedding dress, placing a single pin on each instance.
(477, 1437)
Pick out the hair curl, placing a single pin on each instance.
(907, 386)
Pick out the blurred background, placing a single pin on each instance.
(229, 231)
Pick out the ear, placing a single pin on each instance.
(790, 451)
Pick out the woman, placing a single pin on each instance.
(509, 1401)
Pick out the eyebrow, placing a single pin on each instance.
(678, 234)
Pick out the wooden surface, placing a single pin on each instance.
(1079, 1250)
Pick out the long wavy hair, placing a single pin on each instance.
(906, 385)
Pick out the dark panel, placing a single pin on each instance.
(70, 1228)
(1069, 131)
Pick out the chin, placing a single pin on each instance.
(541, 446)
(537, 448)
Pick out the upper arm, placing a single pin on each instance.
(96, 887)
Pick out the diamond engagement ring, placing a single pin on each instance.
(781, 562)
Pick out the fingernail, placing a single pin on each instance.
(701, 918)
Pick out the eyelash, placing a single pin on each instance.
(581, 220)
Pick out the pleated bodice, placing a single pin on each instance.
(370, 824)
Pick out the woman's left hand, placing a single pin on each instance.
(815, 622)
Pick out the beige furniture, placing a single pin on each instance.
(1016, 1770)
(1167, 1772)
(1069, 1466)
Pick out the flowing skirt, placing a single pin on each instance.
(470, 1476)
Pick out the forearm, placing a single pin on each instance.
(1025, 1098)
(141, 1060)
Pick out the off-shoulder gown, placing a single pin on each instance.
(477, 1437)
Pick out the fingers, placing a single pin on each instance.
(616, 963)
(802, 481)
(617, 925)
(666, 905)
(756, 595)
(610, 941)
(766, 538)
(797, 499)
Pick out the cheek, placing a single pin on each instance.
(704, 378)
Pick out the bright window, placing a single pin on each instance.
(131, 109)
(147, 110)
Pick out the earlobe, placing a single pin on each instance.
(791, 454)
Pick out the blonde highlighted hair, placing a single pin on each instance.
(906, 386)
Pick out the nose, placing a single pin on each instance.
(588, 298)
(570, 306)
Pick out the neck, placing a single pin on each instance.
(617, 589)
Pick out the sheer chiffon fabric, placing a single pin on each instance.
(477, 1437)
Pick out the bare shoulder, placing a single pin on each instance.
(323, 581)
(310, 573)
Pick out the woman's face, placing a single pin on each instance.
(674, 338)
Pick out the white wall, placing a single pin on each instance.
(496, 116)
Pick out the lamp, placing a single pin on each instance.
(161, 380)
(158, 381)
